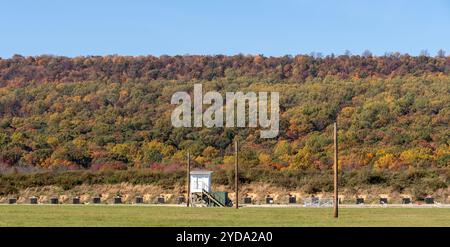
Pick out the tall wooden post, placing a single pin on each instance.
(188, 179)
(236, 174)
(336, 196)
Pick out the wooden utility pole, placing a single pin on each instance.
(236, 173)
(336, 197)
(188, 179)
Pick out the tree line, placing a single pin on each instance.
(19, 70)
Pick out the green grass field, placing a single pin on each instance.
(108, 215)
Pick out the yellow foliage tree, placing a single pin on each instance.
(386, 161)
(210, 152)
(264, 159)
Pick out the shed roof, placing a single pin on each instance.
(201, 172)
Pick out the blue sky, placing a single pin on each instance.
(272, 28)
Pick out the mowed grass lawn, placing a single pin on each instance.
(129, 215)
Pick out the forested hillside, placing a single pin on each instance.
(114, 112)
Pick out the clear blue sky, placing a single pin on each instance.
(272, 28)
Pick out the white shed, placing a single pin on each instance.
(200, 180)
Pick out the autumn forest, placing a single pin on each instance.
(112, 113)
